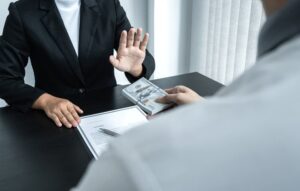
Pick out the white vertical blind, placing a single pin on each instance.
(224, 37)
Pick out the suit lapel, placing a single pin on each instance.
(90, 16)
(54, 25)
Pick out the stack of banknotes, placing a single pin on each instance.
(144, 93)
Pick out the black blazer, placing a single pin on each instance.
(35, 30)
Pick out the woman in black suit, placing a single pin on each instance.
(70, 44)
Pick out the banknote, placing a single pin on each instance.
(144, 93)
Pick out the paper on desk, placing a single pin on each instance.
(118, 121)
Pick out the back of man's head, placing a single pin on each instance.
(272, 6)
(283, 18)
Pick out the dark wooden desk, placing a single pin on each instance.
(36, 155)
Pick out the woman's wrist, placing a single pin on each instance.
(137, 71)
(41, 102)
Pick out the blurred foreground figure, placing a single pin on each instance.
(244, 138)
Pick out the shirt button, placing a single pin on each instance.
(81, 90)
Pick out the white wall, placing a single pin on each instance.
(137, 12)
(172, 36)
(3, 14)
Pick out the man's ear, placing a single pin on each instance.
(272, 6)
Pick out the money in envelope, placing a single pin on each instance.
(144, 93)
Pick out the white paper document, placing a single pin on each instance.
(99, 129)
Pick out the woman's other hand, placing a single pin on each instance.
(61, 111)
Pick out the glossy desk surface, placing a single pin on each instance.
(36, 155)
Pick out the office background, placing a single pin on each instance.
(214, 37)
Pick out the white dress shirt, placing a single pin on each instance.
(70, 13)
(244, 138)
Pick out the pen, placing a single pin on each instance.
(109, 132)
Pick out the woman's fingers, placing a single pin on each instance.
(66, 122)
(123, 40)
(133, 38)
(69, 116)
(138, 38)
(144, 43)
(55, 119)
(130, 38)
(114, 61)
(78, 109)
(63, 119)
(75, 115)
